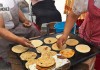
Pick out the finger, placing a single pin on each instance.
(63, 42)
(27, 40)
(29, 45)
(26, 24)
(59, 43)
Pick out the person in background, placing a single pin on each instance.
(39, 7)
(14, 27)
(90, 28)
(23, 4)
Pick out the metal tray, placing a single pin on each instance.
(77, 58)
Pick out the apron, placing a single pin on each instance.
(5, 43)
(19, 30)
(90, 29)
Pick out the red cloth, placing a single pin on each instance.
(97, 62)
(79, 22)
(90, 28)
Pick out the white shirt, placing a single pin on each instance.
(81, 6)
(6, 13)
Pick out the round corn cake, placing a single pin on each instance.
(45, 61)
(58, 36)
(48, 53)
(83, 48)
(36, 43)
(43, 48)
(54, 47)
(68, 53)
(50, 40)
(28, 55)
(72, 42)
(30, 62)
(19, 49)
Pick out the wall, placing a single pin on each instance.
(60, 6)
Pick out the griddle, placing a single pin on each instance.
(78, 57)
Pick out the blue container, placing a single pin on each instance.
(59, 27)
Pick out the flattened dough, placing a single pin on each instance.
(72, 42)
(28, 55)
(36, 43)
(83, 48)
(19, 49)
(68, 53)
(43, 48)
(50, 40)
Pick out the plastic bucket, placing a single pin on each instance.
(59, 27)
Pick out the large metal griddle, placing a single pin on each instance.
(77, 58)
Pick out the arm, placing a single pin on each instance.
(21, 16)
(4, 33)
(71, 19)
(78, 8)
(68, 26)
(23, 19)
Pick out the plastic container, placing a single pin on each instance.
(59, 27)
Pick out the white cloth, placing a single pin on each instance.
(81, 6)
(7, 14)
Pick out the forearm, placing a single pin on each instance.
(21, 16)
(1, 21)
(71, 19)
(4, 33)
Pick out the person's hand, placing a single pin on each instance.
(61, 41)
(27, 23)
(25, 42)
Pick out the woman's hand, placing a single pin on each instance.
(27, 23)
(61, 41)
(25, 42)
